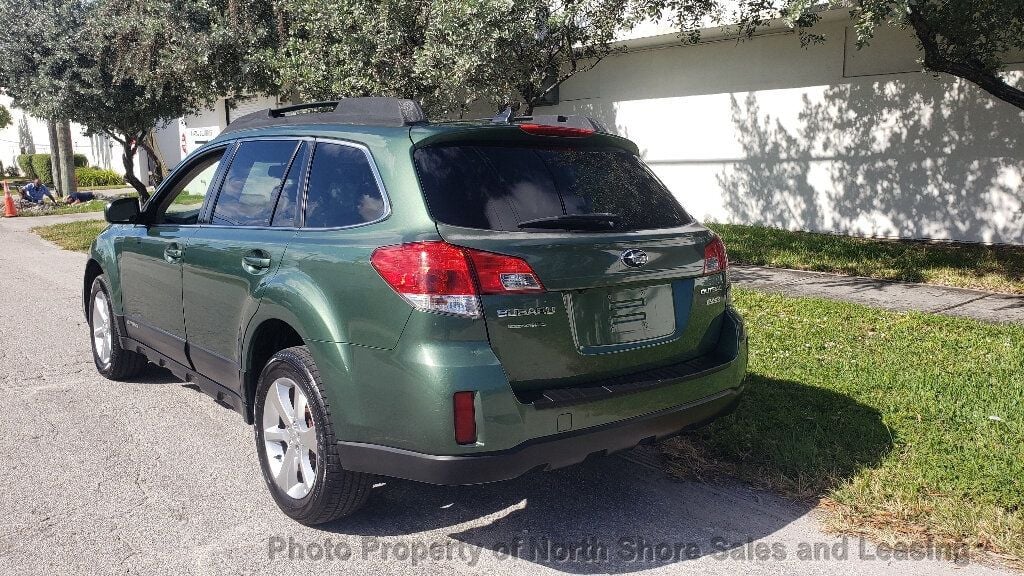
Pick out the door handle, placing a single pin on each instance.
(256, 261)
(173, 253)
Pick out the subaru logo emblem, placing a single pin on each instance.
(634, 257)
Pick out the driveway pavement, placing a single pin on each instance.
(153, 477)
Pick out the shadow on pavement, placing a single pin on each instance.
(154, 374)
(641, 516)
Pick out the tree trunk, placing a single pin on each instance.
(153, 151)
(129, 147)
(934, 60)
(51, 128)
(66, 167)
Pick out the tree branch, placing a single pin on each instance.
(936, 61)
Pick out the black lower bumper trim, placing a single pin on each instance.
(549, 452)
(699, 367)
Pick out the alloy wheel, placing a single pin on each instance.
(102, 333)
(289, 438)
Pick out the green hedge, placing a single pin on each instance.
(42, 167)
(25, 162)
(97, 177)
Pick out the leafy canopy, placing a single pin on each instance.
(447, 53)
(125, 67)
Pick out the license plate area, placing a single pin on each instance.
(611, 319)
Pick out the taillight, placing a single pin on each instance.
(500, 274)
(715, 258)
(545, 130)
(432, 276)
(465, 417)
(439, 277)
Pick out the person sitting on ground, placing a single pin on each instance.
(79, 197)
(35, 191)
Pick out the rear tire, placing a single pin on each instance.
(297, 448)
(112, 361)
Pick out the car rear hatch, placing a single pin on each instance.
(621, 264)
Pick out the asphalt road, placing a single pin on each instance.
(153, 477)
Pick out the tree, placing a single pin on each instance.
(124, 67)
(352, 48)
(55, 150)
(5, 117)
(970, 39)
(151, 62)
(446, 53)
(517, 52)
(32, 71)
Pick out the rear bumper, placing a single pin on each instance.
(545, 453)
(555, 429)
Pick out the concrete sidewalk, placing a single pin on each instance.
(900, 296)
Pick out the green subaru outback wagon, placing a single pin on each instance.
(451, 302)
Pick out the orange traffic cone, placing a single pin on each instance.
(10, 210)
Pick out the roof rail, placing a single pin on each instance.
(370, 111)
(568, 121)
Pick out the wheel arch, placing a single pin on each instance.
(266, 337)
(92, 271)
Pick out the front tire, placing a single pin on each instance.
(112, 361)
(296, 444)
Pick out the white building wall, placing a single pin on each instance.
(30, 133)
(166, 137)
(180, 138)
(826, 138)
(200, 128)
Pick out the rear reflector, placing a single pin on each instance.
(465, 418)
(439, 277)
(545, 130)
(715, 258)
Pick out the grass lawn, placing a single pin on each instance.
(96, 206)
(72, 235)
(908, 425)
(105, 187)
(998, 268)
(189, 199)
(51, 210)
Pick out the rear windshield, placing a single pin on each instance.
(499, 187)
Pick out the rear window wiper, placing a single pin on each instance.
(594, 221)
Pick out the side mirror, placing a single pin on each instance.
(122, 211)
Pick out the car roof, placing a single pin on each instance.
(387, 118)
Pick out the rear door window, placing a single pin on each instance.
(342, 189)
(252, 183)
(499, 187)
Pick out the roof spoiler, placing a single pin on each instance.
(371, 111)
(567, 121)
